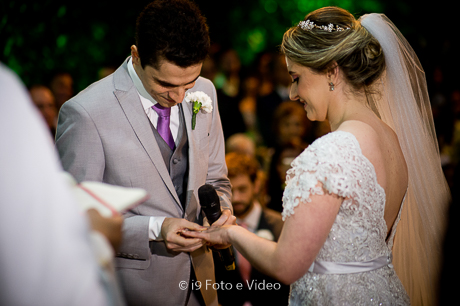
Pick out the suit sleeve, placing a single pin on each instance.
(217, 168)
(79, 144)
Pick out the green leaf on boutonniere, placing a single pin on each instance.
(196, 109)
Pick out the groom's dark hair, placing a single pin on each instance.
(173, 30)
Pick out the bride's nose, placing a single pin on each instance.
(293, 95)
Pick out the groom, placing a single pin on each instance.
(132, 129)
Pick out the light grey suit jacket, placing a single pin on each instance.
(104, 135)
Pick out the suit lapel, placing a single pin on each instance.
(130, 102)
(263, 222)
(194, 160)
(193, 149)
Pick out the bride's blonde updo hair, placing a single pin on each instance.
(354, 49)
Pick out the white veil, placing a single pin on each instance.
(405, 106)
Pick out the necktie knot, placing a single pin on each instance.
(162, 111)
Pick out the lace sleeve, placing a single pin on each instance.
(332, 164)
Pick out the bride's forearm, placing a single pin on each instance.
(260, 252)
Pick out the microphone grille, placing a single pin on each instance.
(207, 195)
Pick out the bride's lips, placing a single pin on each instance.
(304, 104)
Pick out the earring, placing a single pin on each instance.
(331, 86)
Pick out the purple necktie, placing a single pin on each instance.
(164, 115)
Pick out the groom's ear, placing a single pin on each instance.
(135, 55)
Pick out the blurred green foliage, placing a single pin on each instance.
(39, 38)
(260, 24)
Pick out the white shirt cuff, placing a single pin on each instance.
(155, 224)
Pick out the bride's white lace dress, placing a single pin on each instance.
(354, 265)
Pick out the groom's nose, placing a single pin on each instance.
(177, 94)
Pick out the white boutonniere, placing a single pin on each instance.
(265, 233)
(201, 101)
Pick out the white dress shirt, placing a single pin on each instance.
(252, 218)
(147, 102)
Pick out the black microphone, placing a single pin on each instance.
(210, 205)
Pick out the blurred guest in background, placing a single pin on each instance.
(209, 69)
(266, 105)
(290, 129)
(105, 71)
(290, 125)
(263, 68)
(43, 99)
(228, 76)
(240, 143)
(61, 85)
(227, 83)
(248, 104)
(280, 163)
(243, 172)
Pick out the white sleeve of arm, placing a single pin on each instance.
(155, 224)
(46, 257)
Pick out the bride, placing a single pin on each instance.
(364, 205)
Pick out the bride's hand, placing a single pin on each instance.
(217, 237)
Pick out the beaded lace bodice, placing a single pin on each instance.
(335, 164)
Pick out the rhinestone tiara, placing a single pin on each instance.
(307, 25)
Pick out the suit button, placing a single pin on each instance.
(175, 161)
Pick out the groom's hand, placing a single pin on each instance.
(171, 233)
